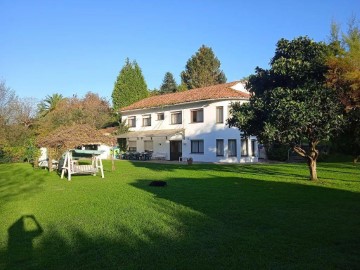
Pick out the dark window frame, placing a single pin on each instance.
(146, 120)
(172, 114)
(246, 153)
(196, 112)
(131, 119)
(198, 150)
(217, 148)
(231, 154)
(218, 121)
(253, 148)
(160, 118)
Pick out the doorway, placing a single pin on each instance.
(175, 150)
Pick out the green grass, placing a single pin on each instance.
(263, 216)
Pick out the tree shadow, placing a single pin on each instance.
(283, 171)
(292, 221)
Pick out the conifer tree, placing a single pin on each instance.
(169, 84)
(202, 69)
(130, 86)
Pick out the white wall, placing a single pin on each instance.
(208, 130)
(43, 153)
(106, 153)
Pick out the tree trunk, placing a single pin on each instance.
(36, 162)
(312, 168)
(356, 159)
(49, 159)
(312, 157)
(112, 162)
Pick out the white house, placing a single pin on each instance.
(190, 124)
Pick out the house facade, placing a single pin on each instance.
(190, 124)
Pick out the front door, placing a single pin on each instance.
(175, 150)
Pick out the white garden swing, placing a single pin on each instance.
(71, 167)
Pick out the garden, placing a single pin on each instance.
(208, 216)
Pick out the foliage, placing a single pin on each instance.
(32, 152)
(26, 152)
(14, 153)
(91, 110)
(130, 86)
(344, 65)
(169, 84)
(348, 142)
(277, 152)
(16, 124)
(154, 92)
(49, 104)
(70, 137)
(344, 77)
(7, 100)
(182, 87)
(202, 69)
(289, 102)
(206, 209)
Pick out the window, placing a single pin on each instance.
(132, 121)
(176, 118)
(146, 120)
(197, 116)
(197, 147)
(244, 148)
(132, 146)
(232, 148)
(253, 149)
(148, 146)
(219, 147)
(160, 116)
(220, 114)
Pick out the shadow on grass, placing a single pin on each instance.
(283, 171)
(217, 223)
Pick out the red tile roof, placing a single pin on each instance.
(219, 91)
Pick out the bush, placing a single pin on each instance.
(277, 152)
(28, 152)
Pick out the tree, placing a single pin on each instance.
(169, 84)
(202, 69)
(344, 65)
(16, 119)
(130, 86)
(49, 103)
(91, 110)
(344, 77)
(289, 103)
(154, 92)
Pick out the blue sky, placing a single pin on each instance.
(72, 47)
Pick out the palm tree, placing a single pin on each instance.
(49, 103)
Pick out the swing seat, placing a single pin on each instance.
(84, 169)
(70, 167)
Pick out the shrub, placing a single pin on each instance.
(277, 152)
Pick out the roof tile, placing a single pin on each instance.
(219, 91)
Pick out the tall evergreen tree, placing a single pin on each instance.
(202, 69)
(130, 85)
(169, 84)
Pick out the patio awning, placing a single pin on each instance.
(153, 133)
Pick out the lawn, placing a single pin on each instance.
(263, 216)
